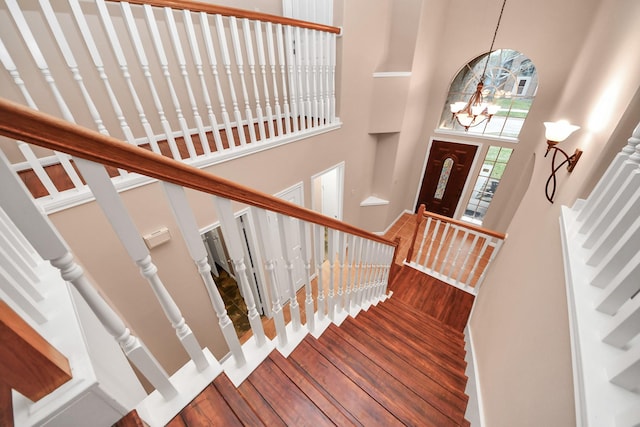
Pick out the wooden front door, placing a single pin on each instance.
(444, 177)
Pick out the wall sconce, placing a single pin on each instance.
(555, 133)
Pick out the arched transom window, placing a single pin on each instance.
(510, 82)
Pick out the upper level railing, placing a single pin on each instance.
(453, 251)
(355, 274)
(193, 81)
(601, 249)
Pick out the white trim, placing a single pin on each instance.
(465, 188)
(383, 74)
(373, 201)
(340, 167)
(473, 135)
(472, 370)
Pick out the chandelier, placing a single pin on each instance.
(476, 110)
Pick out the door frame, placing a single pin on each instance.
(259, 294)
(340, 169)
(468, 182)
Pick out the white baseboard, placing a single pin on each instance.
(474, 413)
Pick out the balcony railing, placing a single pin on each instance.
(195, 82)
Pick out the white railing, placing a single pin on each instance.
(453, 251)
(351, 265)
(201, 86)
(601, 245)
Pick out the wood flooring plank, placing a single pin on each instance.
(405, 405)
(209, 409)
(350, 396)
(235, 401)
(291, 404)
(327, 404)
(260, 406)
(450, 401)
(176, 422)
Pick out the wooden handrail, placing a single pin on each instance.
(24, 124)
(464, 224)
(197, 6)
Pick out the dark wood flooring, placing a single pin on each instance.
(399, 363)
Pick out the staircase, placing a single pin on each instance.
(391, 365)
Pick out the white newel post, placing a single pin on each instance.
(189, 230)
(115, 211)
(258, 347)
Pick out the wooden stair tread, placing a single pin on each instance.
(235, 401)
(426, 317)
(349, 395)
(402, 402)
(208, 408)
(320, 397)
(426, 346)
(434, 383)
(259, 405)
(284, 396)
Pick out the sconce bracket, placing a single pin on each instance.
(571, 162)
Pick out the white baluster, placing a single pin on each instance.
(305, 248)
(164, 66)
(425, 234)
(332, 262)
(463, 268)
(319, 256)
(182, 64)
(237, 50)
(296, 55)
(124, 68)
(332, 76)
(307, 81)
(211, 54)
(285, 75)
(115, 211)
(314, 76)
(479, 256)
(136, 41)
(355, 289)
(449, 249)
(98, 63)
(322, 87)
(226, 61)
(263, 72)
(41, 63)
(443, 238)
(341, 259)
(625, 325)
(366, 275)
(274, 77)
(285, 226)
(433, 239)
(197, 60)
(267, 225)
(189, 230)
(603, 187)
(21, 209)
(292, 79)
(351, 257)
(252, 70)
(463, 241)
(233, 241)
(70, 60)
